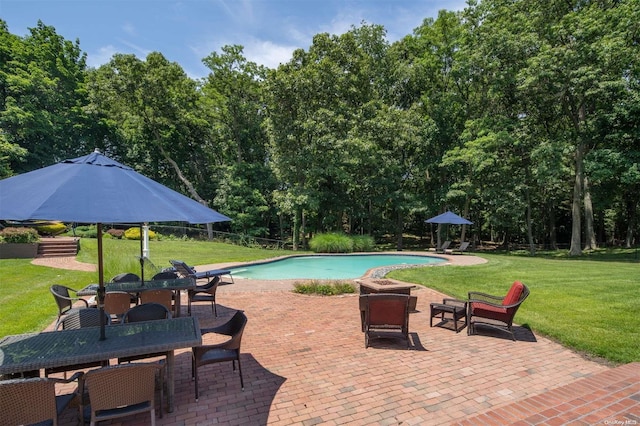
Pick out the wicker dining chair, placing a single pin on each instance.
(116, 303)
(65, 301)
(34, 400)
(221, 352)
(118, 391)
(87, 317)
(125, 277)
(165, 275)
(148, 312)
(163, 297)
(82, 318)
(205, 292)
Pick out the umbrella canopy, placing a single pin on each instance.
(450, 218)
(97, 189)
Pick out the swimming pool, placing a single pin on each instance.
(331, 267)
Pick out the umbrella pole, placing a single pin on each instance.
(101, 291)
(141, 256)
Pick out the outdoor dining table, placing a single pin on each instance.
(28, 352)
(174, 285)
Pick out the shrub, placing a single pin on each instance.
(86, 231)
(134, 234)
(363, 243)
(19, 235)
(324, 288)
(51, 228)
(331, 243)
(116, 233)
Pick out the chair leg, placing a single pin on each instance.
(240, 372)
(161, 378)
(195, 376)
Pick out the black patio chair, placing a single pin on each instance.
(65, 301)
(221, 352)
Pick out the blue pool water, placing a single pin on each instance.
(334, 267)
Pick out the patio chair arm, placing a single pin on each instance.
(496, 305)
(485, 302)
(74, 299)
(221, 329)
(476, 296)
(73, 378)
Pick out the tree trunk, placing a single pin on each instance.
(296, 227)
(188, 185)
(466, 214)
(553, 235)
(303, 230)
(532, 248)
(370, 218)
(399, 229)
(589, 233)
(632, 214)
(576, 226)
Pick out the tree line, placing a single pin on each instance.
(521, 115)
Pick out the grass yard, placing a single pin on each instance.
(590, 304)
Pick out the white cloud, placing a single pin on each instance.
(101, 57)
(343, 21)
(267, 53)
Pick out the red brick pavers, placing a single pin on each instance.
(611, 397)
(304, 363)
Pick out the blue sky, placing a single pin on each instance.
(185, 31)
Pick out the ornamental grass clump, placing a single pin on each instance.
(331, 243)
(363, 243)
(19, 235)
(331, 288)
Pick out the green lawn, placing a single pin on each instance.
(590, 304)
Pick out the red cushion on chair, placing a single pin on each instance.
(487, 311)
(514, 293)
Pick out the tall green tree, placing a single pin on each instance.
(159, 116)
(575, 70)
(233, 91)
(42, 96)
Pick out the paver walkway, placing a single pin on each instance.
(304, 363)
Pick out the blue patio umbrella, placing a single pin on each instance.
(97, 189)
(448, 217)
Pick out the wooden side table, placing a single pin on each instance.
(456, 308)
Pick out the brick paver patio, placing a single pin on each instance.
(304, 363)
